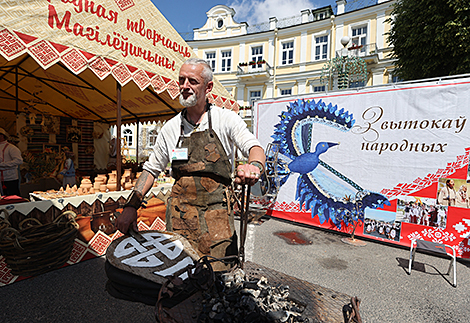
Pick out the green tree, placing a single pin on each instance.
(430, 38)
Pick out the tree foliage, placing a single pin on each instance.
(430, 38)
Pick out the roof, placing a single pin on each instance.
(66, 58)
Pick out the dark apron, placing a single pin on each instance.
(200, 207)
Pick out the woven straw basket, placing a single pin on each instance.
(35, 248)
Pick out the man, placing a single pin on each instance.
(447, 195)
(200, 144)
(10, 159)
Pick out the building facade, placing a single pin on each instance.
(282, 57)
(286, 57)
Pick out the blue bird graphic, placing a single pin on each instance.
(320, 188)
(307, 162)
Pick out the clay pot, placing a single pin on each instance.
(127, 172)
(86, 183)
(103, 188)
(98, 181)
(85, 233)
(128, 185)
(104, 221)
(112, 186)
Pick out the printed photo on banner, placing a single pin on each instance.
(453, 192)
(422, 211)
(382, 224)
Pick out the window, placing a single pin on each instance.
(254, 96)
(287, 53)
(285, 92)
(220, 23)
(210, 58)
(152, 137)
(321, 47)
(357, 84)
(257, 55)
(226, 61)
(127, 133)
(359, 38)
(319, 88)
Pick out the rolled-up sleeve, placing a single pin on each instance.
(158, 158)
(242, 137)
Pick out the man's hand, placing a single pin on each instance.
(247, 174)
(127, 218)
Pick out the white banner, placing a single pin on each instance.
(387, 142)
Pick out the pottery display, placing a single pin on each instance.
(103, 188)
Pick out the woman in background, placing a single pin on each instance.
(69, 170)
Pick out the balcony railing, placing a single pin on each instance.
(256, 69)
(358, 50)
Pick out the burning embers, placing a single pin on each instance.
(235, 298)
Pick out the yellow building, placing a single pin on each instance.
(282, 57)
(286, 57)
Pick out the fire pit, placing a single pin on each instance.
(263, 295)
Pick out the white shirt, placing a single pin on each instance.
(10, 159)
(228, 126)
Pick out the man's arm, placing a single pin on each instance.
(129, 213)
(250, 173)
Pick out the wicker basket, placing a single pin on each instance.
(35, 248)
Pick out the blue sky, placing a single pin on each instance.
(185, 15)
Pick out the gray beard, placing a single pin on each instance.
(189, 102)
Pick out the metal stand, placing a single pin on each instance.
(245, 204)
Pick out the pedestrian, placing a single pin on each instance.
(199, 142)
(10, 159)
(69, 170)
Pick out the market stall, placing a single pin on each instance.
(69, 69)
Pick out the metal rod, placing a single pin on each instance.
(245, 203)
(118, 136)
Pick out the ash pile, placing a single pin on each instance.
(237, 298)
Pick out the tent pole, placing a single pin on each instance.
(16, 91)
(118, 137)
(137, 143)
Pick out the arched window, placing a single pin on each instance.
(152, 137)
(127, 133)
